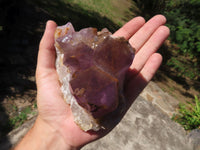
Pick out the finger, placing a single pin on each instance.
(46, 55)
(136, 85)
(130, 28)
(152, 65)
(150, 47)
(146, 31)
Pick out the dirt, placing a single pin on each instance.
(178, 91)
(169, 79)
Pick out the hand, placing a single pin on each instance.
(55, 115)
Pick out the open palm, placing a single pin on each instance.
(146, 38)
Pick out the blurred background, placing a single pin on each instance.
(22, 23)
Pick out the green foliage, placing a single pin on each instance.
(184, 22)
(183, 18)
(183, 68)
(20, 118)
(35, 105)
(189, 115)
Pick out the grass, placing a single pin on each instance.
(189, 115)
(184, 66)
(22, 116)
(81, 14)
(117, 11)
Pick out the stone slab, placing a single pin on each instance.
(16, 135)
(144, 127)
(160, 99)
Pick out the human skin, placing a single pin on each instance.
(54, 127)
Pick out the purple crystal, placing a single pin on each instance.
(97, 62)
(114, 56)
(78, 57)
(95, 90)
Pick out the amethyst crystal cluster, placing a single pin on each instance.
(91, 66)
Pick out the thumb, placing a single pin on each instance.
(46, 55)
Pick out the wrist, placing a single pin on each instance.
(44, 137)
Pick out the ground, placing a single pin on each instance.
(20, 38)
(175, 89)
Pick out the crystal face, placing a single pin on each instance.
(95, 90)
(91, 66)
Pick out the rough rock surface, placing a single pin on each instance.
(194, 138)
(91, 67)
(145, 126)
(160, 99)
